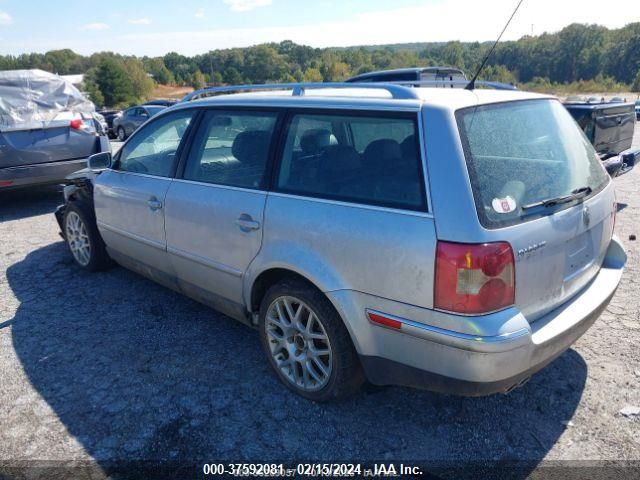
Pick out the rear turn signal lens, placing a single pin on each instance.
(474, 279)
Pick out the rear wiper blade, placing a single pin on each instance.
(577, 194)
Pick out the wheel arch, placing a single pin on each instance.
(269, 277)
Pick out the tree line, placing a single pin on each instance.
(588, 55)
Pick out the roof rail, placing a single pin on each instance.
(398, 92)
(452, 83)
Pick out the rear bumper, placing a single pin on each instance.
(39, 174)
(436, 358)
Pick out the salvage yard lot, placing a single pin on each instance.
(107, 367)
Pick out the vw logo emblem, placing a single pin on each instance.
(586, 217)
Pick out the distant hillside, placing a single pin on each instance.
(589, 56)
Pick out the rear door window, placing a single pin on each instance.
(522, 154)
(372, 159)
(232, 148)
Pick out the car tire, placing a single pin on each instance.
(122, 135)
(307, 344)
(83, 239)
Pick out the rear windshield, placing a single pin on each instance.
(522, 154)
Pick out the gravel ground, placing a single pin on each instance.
(109, 367)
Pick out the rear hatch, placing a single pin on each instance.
(538, 182)
(67, 137)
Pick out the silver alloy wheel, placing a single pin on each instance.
(298, 343)
(121, 134)
(78, 239)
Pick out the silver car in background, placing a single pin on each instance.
(47, 129)
(132, 118)
(449, 239)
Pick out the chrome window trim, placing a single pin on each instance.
(144, 175)
(423, 158)
(257, 191)
(363, 206)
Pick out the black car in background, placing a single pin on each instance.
(609, 126)
(109, 116)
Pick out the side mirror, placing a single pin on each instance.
(99, 161)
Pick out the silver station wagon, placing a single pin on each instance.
(450, 239)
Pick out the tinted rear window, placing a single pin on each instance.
(366, 159)
(522, 153)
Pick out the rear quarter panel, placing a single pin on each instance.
(339, 246)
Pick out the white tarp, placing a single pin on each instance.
(34, 98)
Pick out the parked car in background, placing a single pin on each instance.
(346, 223)
(161, 102)
(101, 124)
(109, 115)
(47, 129)
(617, 100)
(441, 76)
(637, 109)
(445, 77)
(608, 126)
(127, 123)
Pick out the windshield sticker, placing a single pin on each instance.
(504, 205)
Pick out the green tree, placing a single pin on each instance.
(217, 79)
(231, 76)
(337, 71)
(498, 73)
(114, 83)
(160, 72)
(92, 88)
(453, 54)
(197, 80)
(142, 85)
(263, 64)
(312, 75)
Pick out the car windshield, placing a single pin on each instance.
(525, 153)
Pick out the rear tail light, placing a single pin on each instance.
(76, 123)
(474, 279)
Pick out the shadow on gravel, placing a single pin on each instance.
(29, 202)
(137, 372)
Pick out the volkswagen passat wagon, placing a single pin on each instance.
(442, 238)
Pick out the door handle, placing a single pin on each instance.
(154, 204)
(246, 223)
